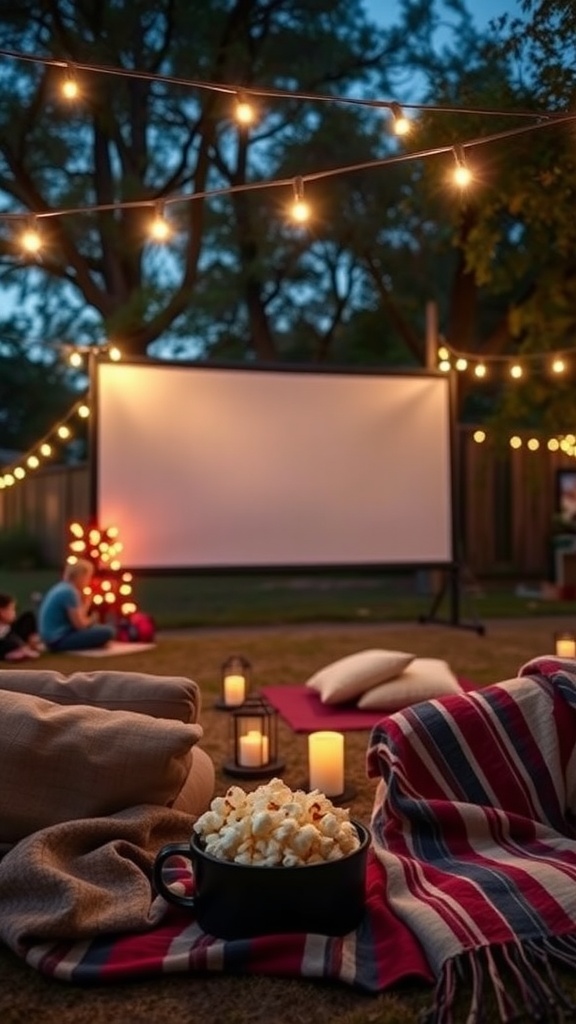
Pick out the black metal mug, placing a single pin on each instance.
(233, 901)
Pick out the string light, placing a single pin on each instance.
(75, 359)
(462, 173)
(30, 239)
(114, 353)
(532, 122)
(401, 125)
(556, 364)
(70, 89)
(300, 209)
(64, 432)
(244, 112)
(83, 411)
(159, 228)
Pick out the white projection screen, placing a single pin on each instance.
(226, 468)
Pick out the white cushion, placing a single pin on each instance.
(424, 679)
(349, 677)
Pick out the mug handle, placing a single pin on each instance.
(172, 849)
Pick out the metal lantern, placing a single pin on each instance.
(235, 682)
(254, 740)
(565, 645)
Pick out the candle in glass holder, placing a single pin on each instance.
(326, 762)
(234, 690)
(565, 645)
(253, 749)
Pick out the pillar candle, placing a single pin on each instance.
(326, 762)
(566, 646)
(234, 690)
(253, 750)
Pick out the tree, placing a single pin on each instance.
(135, 139)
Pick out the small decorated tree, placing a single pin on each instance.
(111, 588)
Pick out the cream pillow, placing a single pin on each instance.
(349, 677)
(160, 696)
(424, 679)
(62, 763)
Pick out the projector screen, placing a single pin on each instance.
(209, 467)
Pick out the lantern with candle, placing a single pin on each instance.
(235, 682)
(565, 645)
(254, 740)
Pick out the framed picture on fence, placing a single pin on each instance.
(566, 498)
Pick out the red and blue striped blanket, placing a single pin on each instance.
(472, 878)
(475, 825)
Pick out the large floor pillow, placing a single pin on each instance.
(346, 679)
(423, 679)
(161, 696)
(62, 763)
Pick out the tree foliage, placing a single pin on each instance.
(237, 281)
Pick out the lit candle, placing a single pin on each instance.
(566, 646)
(253, 752)
(326, 762)
(234, 690)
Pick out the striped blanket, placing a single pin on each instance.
(474, 823)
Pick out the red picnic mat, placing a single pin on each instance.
(380, 953)
(302, 709)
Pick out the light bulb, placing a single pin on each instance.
(558, 366)
(33, 461)
(114, 354)
(245, 113)
(479, 436)
(83, 412)
(461, 364)
(516, 371)
(30, 239)
(70, 89)
(75, 359)
(401, 125)
(159, 228)
(480, 370)
(19, 473)
(63, 432)
(462, 176)
(300, 211)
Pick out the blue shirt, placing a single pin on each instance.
(53, 618)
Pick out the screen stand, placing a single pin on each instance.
(455, 579)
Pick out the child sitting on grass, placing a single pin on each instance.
(18, 636)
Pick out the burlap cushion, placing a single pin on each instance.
(62, 763)
(347, 678)
(161, 696)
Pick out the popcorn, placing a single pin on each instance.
(276, 826)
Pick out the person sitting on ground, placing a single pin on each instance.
(18, 636)
(65, 621)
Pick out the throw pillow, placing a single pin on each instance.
(63, 763)
(160, 696)
(424, 679)
(349, 677)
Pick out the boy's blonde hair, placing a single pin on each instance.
(73, 570)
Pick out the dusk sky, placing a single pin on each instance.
(483, 10)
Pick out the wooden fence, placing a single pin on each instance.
(506, 503)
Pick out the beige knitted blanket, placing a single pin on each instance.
(87, 877)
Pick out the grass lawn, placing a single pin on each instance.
(279, 654)
(183, 601)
